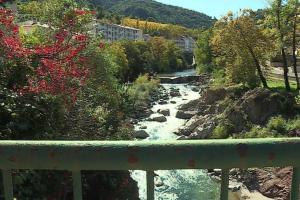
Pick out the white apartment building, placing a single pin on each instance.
(186, 43)
(114, 32)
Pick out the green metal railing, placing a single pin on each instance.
(149, 156)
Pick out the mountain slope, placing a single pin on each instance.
(152, 10)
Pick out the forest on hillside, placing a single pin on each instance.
(155, 11)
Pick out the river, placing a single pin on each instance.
(175, 184)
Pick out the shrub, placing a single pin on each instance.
(223, 130)
(142, 88)
(277, 124)
(29, 116)
(218, 77)
(258, 132)
(293, 124)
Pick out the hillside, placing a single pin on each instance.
(155, 11)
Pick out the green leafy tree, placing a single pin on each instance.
(278, 19)
(203, 52)
(242, 47)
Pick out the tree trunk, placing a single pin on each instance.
(259, 70)
(294, 49)
(283, 54)
(256, 61)
(285, 70)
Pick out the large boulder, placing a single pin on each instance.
(191, 125)
(142, 112)
(185, 114)
(205, 130)
(261, 104)
(158, 118)
(141, 134)
(192, 105)
(165, 112)
(211, 96)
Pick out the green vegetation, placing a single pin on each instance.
(276, 127)
(223, 130)
(242, 43)
(152, 10)
(203, 52)
(142, 89)
(154, 56)
(279, 84)
(63, 84)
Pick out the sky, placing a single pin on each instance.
(217, 8)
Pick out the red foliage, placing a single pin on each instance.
(61, 64)
(10, 42)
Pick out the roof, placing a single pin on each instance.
(117, 25)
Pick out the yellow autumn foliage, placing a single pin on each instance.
(166, 30)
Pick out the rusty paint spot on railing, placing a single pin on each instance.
(192, 163)
(242, 150)
(12, 159)
(52, 154)
(132, 159)
(271, 156)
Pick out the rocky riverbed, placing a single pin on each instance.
(235, 108)
(160, 124)
(194, 111)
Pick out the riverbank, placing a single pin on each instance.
(234, 112)
(198, 111)
(160, 124)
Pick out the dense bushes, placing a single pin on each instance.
(29, 116)
(142, 88)
(154, 56)
(66, 86)
(276, 127)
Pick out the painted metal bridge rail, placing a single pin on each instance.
(149, 156)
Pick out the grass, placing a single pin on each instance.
(277, 84)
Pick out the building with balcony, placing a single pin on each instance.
(114, 32)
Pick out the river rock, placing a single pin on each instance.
(183, 137)
(260, 104)
(205, 130)
(173, 102)
(185, 114)
(192, 105)
(134, 121)
(174, 92)
(141, 134)
(192, 124)
(195, 89)
(142, 112)
(159, 118)
(210, 96)
(165, 112)
(159, 182)
(162, 102)
(143, 127)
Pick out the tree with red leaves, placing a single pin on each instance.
(57, 68)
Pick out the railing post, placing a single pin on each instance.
(295, 184)
(8, 185)
(150, 185)
(224, 184)
(77, 186)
